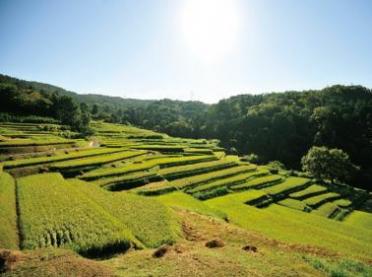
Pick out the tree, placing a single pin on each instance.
(95, 109)
(324, 163)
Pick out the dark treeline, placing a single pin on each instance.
(276, 126)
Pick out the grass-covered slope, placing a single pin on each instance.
(54, 213)
(295, 226)
(128, 186)
(149, 221)
(8, 215)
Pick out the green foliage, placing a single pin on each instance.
(343, 268)
(324, 163)
(8, 216)
(252, 158)
(336, 116)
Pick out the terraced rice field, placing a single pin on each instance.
(65, 217)
(120, 188)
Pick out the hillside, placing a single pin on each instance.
(274, 126)
(104, 203)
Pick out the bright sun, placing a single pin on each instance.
(210, 27)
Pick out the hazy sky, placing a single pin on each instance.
(187, 49)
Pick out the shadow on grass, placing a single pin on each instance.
(105, 252)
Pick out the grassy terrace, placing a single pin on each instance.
(127, 181)
(308, 192)
(28, 142)
(318, 200)
(190, 182)
(291, 184)
(161, 162)
(101, 210)
(294, 226)
(230, 181)
(8, 216)
(185, 201)
(294, 204)
(54, 213)
(60, 157)
(359, 219)
(258, 181)
(149, 221)
(194, 169)
(95, 161)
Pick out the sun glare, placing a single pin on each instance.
(210, 27)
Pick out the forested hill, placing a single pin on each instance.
(274, 126)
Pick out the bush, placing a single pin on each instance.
(252, 158)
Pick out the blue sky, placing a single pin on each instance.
(147, 49)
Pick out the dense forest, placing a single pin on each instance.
(274, 126)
